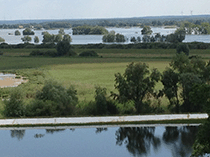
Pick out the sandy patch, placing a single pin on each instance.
(11, 82)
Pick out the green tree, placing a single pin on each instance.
(100, 100)
(119, 38)
(58, 38)
(53, 100)
(28, 31)
(63, 48)
(26, 39)
(146, 30)
(14, 106)
(36, 39)
(48, 38)
(133, 39)
(67, 38)
(110, 37)
(183, 48)
(135, 83)
(170, 80)
(61, 31)
(17, 32)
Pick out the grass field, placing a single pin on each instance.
(86, 73)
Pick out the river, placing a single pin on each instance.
(103, 141)
(92, 39)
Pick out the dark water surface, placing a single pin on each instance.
(104, 141)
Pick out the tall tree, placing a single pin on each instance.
(135, 83)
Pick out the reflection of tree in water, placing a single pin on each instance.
(180, 140)
(99, 130)
(52, 131)
(19, 134)
(138, 140)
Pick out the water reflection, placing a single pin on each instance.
(180, 140)
(19, 134)
(99, 130)
(138, 140)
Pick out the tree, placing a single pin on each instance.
(28, 31)
(36, 39)
(183, 48)
(14, 107)
(58, 38)
(17, 32)
(170, 80)
(146, 39)
(176, 37)
(133, 39)
(53, 100)
(110, 37)
(100, 100)
(63, 48)
(146, 30)
(67, 38)
(26, 39)
(48, 38)
(61, 31)
(135, 83)
(119, 38)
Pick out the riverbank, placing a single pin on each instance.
(102, 120)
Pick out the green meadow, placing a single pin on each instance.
(83, 73)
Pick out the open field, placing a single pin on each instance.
(85, 73)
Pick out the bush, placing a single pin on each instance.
(126, 108)
(88, 54)
(100, 100)
(14, 107)
(59, 100)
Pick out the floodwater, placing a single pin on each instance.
(103, 141)
(93, 39)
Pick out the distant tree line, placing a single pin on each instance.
(115, 22)
(89, 30)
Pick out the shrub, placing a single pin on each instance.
(88, 54)
(36, 53)
(59, 100)
(14, 107)
(100, 100)
(126, 108)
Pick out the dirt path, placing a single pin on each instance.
(10, 81)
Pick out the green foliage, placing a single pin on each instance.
(88, 54)
(183, 48)
(36, 39)
(28, 31)
(26, 39)
(67, 38)
(61, 31)
(135, 83)
(14, 106)
(111, 37)
(100, 100)
(170, 80)
(146, 30)
(126, 108)
(202, 143)
(53, 100)
(97, 30)
(176, 37)
(63, 48)
(17, 32)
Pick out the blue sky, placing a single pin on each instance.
(77, 9)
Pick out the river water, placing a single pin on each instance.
(92, 39)
(103, 141)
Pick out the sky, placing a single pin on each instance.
(82, 9)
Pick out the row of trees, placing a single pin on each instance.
(191, 28)
(113, 37)
(89, 30)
